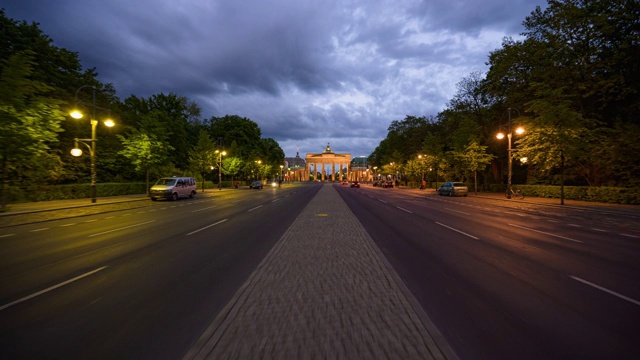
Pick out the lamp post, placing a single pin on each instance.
(220, 154)
(519, 130)
(259, 162)
(76, 114)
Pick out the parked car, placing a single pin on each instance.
(453, 188)
(173, 188)
(256, 185)
(355, 184)
(387, 184)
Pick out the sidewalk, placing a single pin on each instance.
(325, 291)
(39, 206)
(528, 199)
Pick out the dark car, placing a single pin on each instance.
(355, 184)
(387, 184)
(256, 185)
(453, 188)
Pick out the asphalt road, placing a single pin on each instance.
(513, 280)
(501, 280)
(141, 283)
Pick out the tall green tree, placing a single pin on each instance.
(232, 165)
(144, 152)
(244, 132)
(29, 123)
(473, 157)
(202, 156)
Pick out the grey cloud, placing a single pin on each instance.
(308, 72)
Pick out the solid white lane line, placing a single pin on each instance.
(546, 233)
(458, 231)
(606, 290)
(122, 228)
(206, 227)
(410, 212)
(457, 211)
(629, 235)
(210, 207)
(257, 207)
(52, 288)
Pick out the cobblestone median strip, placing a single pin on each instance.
(324, 291)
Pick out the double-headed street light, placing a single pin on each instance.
(519, 130)
(76, 114)
(220, 154)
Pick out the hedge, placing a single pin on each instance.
(72, 191)
(603, 194)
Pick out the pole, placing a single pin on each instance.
(94, 124)
(510, 157)
(220, 170)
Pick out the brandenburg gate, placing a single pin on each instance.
(326, 159)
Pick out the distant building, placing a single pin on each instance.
(360, 169)
(295, 168)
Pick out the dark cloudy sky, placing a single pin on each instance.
(308, 72)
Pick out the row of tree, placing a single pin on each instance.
(161, 135)
(572, 82)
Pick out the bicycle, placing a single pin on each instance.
(511, 193)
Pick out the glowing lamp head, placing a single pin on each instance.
(76, 114)
(109, 123)
(500, 136)
(76, 152)
(519, 130)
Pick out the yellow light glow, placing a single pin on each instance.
(109, 123)
(519, 130)
(224, 153)
(523, 160)
(500, 136)
(76, 114)
(76, 152)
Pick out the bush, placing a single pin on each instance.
(72, 191)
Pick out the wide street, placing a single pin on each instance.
(499, 279)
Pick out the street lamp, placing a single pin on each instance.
(519, 130)
(220, 154)
(76, 114)
(259, 162)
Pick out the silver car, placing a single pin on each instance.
(452, 188)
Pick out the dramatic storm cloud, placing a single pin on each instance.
(308, 72)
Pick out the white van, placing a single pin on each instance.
(173, 188)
